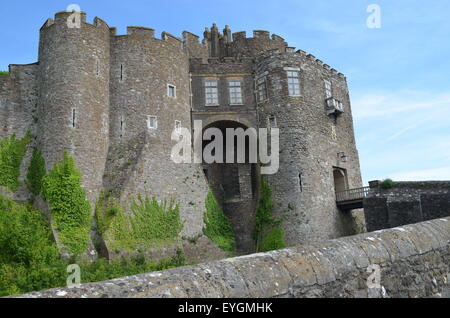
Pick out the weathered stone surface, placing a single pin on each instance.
(329, 269)
(406, 203)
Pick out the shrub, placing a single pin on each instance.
(30, 261)
(151, 224)
(29, 258)
(217, 225)
(387, 184)
(274, 240)
(69, 207)
(4, 73)
(36, 173)
(12, 151)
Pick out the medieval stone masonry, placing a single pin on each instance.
(112, 101)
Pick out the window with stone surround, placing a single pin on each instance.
(171, 91)
(272, 122)
(152, 122)
(211, 93)
(235, 89)
(328, 89)
(261, 87)
(293, 83)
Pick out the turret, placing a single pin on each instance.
(73, 110)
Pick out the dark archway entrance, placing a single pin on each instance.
(235, 186)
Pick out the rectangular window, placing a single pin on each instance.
(171, 91)
(235, 90)
(262, 89)
(152, 122)
(293, 83)
(211, 93)
(328, 89)
(272, 122)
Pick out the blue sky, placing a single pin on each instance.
(398, 75)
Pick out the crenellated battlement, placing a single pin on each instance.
(307, 56)
(63, 17)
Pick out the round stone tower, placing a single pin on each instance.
(315, 143)
(73, 109)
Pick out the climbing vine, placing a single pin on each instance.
(36, 173)
(218, 228)
(69, 207)
(267, 232)
(12, 151)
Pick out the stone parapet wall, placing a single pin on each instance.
(413, 262)
(406, 203)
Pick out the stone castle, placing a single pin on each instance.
(112, 101)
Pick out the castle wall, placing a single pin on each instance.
(18, 113)
(18, 100)
(303, 188)
(406, 203)
(258, 44)
(74, 96)
(413, 263)
(139, 157)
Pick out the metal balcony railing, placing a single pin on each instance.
(352, 194)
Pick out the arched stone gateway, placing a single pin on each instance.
(234, 184)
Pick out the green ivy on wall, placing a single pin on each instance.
(218, 228)
(36, 173)
(12, 151)
(69, 207)
(267, 232)
(151, 224)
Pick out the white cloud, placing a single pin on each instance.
(388, 104)
(438, 174)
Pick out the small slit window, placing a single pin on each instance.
(152, 122)
(122, 126)
(171, 91)
(74, 118)
(211, 93)
(293, 83)
(97, 67)
(121, 72)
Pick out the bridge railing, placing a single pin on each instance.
(352, 194)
